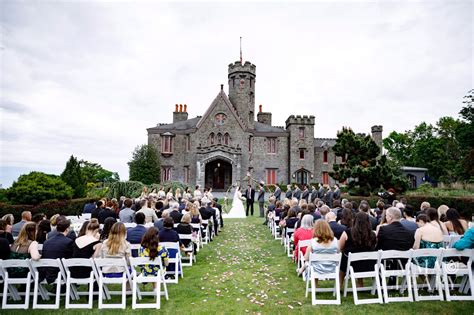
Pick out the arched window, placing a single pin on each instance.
(226, 139)
(219, 138)
(325, 156)
(211, 138)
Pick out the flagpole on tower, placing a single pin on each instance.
(240, 49)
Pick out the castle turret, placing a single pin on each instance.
(377, 136)
(242, 90)
(301, 148)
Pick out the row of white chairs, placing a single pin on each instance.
(130, 276)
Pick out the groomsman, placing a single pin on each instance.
(305, 194)
(314, 194)
(289, 192)
(337, 192)
(250, 195)
(297, 192)
(261, 199)
(277, 192)
(321, 191)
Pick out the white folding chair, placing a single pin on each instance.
(139, 277)
(102, 263)
(189, 250)
(73, 283)
(39, 288)
(276, 228)
(313, 275)
(453, 268)
(205, 231)
(351, 273)
(300, 256)
(288, 240)
(425, 270)
(197, 228)
(178, 265)
(130, 225)
(86, 216)
(134, 249)
(397, 270)
(9, 283)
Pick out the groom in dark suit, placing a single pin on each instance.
(250, 196)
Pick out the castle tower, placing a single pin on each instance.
(301, 148)
(242, 90)
(377, 136)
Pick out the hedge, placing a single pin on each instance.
(65, 207)
(464, 205)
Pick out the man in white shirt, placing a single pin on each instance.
(150, 214)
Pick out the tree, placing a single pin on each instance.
(37, 187)
(145, 165)
(364, 169)
(95, 173)
(72, 175)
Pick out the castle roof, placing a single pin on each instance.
(264, 128)
(324, 142)
(177, 126)
(214, 103)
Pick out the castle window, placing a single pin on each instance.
(325, 157)
(250, 143)
(186, 174)
(166, 173)
(211, 138)
(219, 138)
(301, 154)
(325, 178)
(271, 145)
(226, 139)
(166, 144)
(271, 176)
(301, 132)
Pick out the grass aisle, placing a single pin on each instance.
(245, 271)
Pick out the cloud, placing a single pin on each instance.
(88, 78)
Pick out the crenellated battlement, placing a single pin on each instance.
(377, 128)
(300, 120)
(239, 67)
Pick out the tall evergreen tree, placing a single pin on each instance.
(72, 175)
(145, 165)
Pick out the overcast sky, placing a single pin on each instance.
(88, 78)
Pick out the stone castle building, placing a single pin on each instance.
(227, 144)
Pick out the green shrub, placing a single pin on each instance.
(37, 187)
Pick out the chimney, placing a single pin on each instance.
(264, 118)
(185, 108)
(179, 114)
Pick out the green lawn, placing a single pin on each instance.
(245, 271)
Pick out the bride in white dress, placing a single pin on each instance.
(237, 210)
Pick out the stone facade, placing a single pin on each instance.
(226, 144)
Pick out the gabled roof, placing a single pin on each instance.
(214, 103)
(260, 127)
(180, 125)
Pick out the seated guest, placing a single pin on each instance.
(83, 229)
(336, 228)
(3, 232)
(394, 235)
(135, 234)
(323, 242)
(454, 223)
(26, 246)
(195, 214)
(442, 212)
(150, 214)
(428, 235)
(167, 234)
(59, 246)
(127, 215)
(159, 224)
(104, 234)
(347, 216)
(466, 241)
(38, 217)
(364, 207)
(408, 222)
(290, 220)
(305, 232)
(150, 247)
(107, 212)
(174, 213)
(323, 211)
(99, 205)
(54, 221)
(9, 219)
(89, 207)
(86, 246)
(185, 228)
(16, 228)
(44, 227)
(360, 238)
(115, 246)
(433, 216)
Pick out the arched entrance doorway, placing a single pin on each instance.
(301, 176)
(218, 174)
